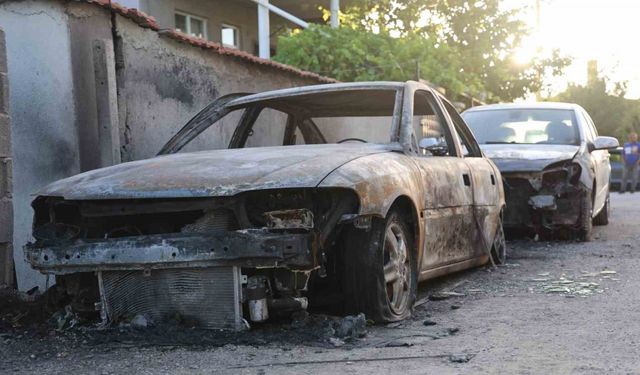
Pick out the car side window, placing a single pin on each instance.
(429, 127)
(469, 145)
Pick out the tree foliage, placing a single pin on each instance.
(357, 55)
(467, 47)
(612, 114)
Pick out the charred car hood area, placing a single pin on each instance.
(527, 158)
(542, 183)
(192, 219)
(212, 173)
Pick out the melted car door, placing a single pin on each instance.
(449, 226)
(485, 184)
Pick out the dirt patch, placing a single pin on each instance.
(20, 312)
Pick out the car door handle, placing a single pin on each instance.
(466, 179)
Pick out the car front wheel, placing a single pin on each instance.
(602, 218)
(585, 223)
(380, 277)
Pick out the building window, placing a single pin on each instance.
(230, 36)
(191, 25)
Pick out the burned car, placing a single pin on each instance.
(554, 165)
(349, 193)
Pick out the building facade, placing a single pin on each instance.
(249, 25)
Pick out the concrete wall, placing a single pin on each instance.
(163, 83)
(6, 184)
(43, 112)
(88, 26)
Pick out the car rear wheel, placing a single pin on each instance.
(499, 247)
(380, 277)
(602, 218)
(585, 223)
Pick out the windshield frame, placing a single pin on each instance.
(217, 110)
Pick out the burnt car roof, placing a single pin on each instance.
(296, 91)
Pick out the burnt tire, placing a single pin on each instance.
(585, 222)
(499, 246)
(380, 270)
(602, 218)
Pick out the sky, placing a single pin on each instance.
(605, 30)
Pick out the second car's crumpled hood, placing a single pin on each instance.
(527, 158)
(212, 173)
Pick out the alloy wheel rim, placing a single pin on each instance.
(397, 268)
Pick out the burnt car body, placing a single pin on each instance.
(554, 165)
(366, 189)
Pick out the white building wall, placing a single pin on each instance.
(45, 142)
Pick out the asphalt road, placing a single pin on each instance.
(555, 308)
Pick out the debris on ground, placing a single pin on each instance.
(398, 344)
(582, 285)
(453, 331)
(429, 323)
(20, 311)
(140, 321)
(352, 327)
(461, 358)
(64, 319)
(336, 342)
(444, 295)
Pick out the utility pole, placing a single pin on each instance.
(538, 16)
(335, 13)
(264, 40)
(538, 47)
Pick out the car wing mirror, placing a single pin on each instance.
(604, 143)
(433, 145)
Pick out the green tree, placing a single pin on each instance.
(349, 54)
(465, 47)
(612, 114)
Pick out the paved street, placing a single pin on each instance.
(554, 308)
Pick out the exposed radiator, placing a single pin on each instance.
(209, 297)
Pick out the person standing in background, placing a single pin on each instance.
(630, 158)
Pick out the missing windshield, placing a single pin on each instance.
(363, 115)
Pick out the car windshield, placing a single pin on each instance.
(526, 126)
(364, 115)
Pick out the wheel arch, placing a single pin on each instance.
(406, 205)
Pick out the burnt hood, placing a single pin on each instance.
(212, 173)
(529, 157)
